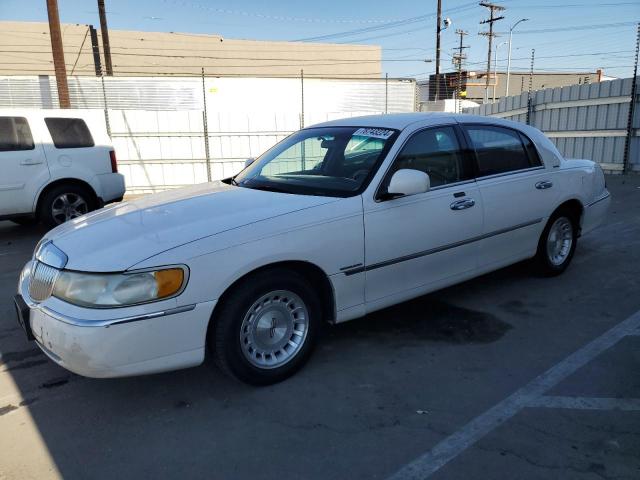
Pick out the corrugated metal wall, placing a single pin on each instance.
(584, 121)
(157, 124)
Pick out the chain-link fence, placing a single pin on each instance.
(175, 131)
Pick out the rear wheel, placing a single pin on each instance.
(266, 328)
(64, 203)
(557, 244)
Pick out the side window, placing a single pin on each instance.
(69, 132)
(534, 158)
(498, 150)
(15, 134)
(436, 152)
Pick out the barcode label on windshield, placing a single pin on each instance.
(382, 133)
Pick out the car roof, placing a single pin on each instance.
(400, 121)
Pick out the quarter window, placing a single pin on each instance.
(69, 132)
(498, 150)
(15, 134)
(534, 158)
(436, 152)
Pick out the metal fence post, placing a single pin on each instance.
(301, 98)
(632, 108)
(386, 93)
(106, 111)
(205, 127)
(529, 102)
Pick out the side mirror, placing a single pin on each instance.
(248, 162)
(408, 182)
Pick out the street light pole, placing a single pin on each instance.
(506, 94)
(495, 69)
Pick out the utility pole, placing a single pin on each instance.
(458, 58)
(58, 54)
(105, 38)
(438, 30)
(491, 20)
(95, 48)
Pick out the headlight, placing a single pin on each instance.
(118, 289)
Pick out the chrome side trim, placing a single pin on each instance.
(509, 173)
(76, 322)
(597, 200)
(431, 251)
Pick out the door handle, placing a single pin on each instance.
(29, 161)
(543, 185)
(462, 204)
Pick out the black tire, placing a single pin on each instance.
(543, 262)
(25, 221)
(46, 204)
(224, 338)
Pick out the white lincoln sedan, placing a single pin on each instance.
(336, 221)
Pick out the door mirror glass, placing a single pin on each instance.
(248, 162)
(408, 182)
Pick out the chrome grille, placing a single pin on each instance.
(41, 283)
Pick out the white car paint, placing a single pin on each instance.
(222, 232)
(27, 173)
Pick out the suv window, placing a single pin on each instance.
(498, 149)
(436, 152)
(15, 134)
(69, 132)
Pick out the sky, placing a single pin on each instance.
(579, 35)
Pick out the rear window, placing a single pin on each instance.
(498, 149)
(15, 134)
(69, 132)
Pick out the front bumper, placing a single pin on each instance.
(121, 341)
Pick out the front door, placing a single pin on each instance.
(418, 243)
(23, 168)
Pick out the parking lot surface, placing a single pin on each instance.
(505, 376)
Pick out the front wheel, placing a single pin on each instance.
(557, 244)
(266, 328)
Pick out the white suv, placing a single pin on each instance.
(55, 165)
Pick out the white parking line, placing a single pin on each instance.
(458, 442)
(586, 403)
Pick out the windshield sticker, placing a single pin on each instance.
(382, 133)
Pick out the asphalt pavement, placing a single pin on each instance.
(505, 376)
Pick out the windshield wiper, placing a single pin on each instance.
(267, 188)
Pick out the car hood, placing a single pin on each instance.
(119, 236)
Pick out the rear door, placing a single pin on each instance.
(72, 149)
(516, 189)
(23, 168)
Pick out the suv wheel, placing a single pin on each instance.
(64, 203)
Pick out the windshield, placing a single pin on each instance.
(328, 161)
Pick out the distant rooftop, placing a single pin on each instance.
(25, 49)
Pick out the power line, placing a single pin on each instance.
(276, 17)
(572, 28)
